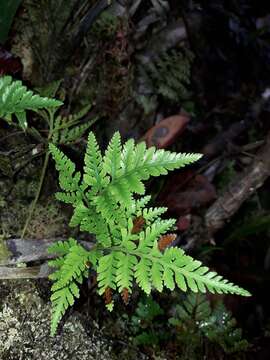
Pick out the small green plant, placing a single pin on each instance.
(167, 76)
(197, 322)
(144, 323)
(16, 99)
(107, 203)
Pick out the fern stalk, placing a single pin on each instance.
(42, 175)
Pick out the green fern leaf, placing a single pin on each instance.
(148, 238)
(69, 180)
(61, 300)
(67, 129)
(124, 271)
(106, 271)
(104, 205)
(112, 158)
(93, 174)
(16, 99)
(61, 247)
(143, 275)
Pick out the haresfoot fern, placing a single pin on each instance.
(127, 233)
(15, 99)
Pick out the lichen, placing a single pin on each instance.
(24, 330)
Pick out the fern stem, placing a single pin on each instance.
(33, 205)
(42, 176)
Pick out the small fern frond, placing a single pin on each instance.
(68, 130)
(149, 237)
(69, 180)
(143, 275)
(143, 164)
(169, 76)
(61, 248)
(190, 273)
(71, 135)
(106, 271)
(125, 271)
(61, 301)
(112, 158)
(151, 214)
(72, 265)
(15, 99)
(141, 204)
(93, 175)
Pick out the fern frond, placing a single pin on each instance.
(145, 163)
(143, 275)
(68, 179)
(125, 271)
(131, 240)
(106, 271)
(141, 203)
(151, 214)
(72, 265)
(68, 130)
(190, 273)
(149, 237)
(15, 99)
(61, 300)
(93, 174)
(112, 158)
(61, 248)
(69, 136)
(169, 76)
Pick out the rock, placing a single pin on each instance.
(24, 329)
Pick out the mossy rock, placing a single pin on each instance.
(24, 329)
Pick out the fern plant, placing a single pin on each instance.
(167, 76)
(197, 322)
(146, 325)
(107, 203)
(15, 99)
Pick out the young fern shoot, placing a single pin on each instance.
(106, 204)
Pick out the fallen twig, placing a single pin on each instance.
(222, 210)
(23, 251)
(34, 272)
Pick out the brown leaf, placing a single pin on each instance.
(166, 131)
(138, 224)
(125, 296)
(108, 296)
(165, 240)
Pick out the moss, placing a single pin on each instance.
(4, 252)
(47, 221)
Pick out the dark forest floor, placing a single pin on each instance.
(188, 76)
